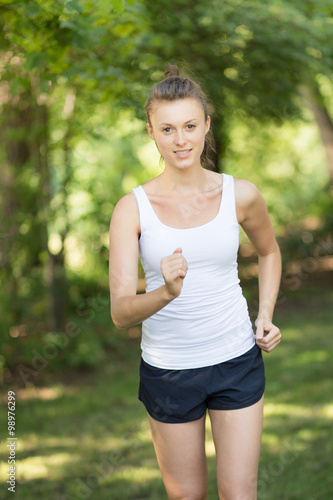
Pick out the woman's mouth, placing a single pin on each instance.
(183, 153)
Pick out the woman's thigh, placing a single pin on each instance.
(237, 438)
(180, 451)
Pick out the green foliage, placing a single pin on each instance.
(286, 162)
(256, 53)
(67, 39)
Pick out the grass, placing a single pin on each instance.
(85, 435)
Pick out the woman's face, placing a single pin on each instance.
(179, 129)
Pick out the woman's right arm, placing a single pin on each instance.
(127, 307)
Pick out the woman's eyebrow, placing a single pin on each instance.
(188, 121)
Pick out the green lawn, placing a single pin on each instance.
(86, 436)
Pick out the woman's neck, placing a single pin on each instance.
(184, 182)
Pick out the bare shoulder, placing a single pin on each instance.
(247, 197)
(246, 192)
(127, 202)
(126, 213)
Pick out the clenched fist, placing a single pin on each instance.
(267, 336)
(174, 268)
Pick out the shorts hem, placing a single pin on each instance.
(238, 406)
(169, 419)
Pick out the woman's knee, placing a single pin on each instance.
(189, 496)
(236, 492)
(187, 492)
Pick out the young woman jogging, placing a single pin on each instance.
(199, 351)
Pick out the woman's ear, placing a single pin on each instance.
(150, 131)
(207, 124)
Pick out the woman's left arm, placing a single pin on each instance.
(253, 216)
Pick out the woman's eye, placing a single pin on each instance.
(166, 129)
(191, 126)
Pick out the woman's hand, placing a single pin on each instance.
(174, 268)
(267, 336)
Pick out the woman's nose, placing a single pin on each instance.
(180, 139)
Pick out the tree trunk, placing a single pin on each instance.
(316, 104)
(60, 282)
(54, 269)
(41, 157)
(15, 155)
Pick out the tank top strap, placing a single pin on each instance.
(228, 208)
(145, 208)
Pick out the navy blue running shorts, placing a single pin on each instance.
(178, 396)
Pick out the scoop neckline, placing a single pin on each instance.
(187, 228)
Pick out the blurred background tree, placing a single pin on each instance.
(74, 77)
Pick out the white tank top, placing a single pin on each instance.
(208, 322)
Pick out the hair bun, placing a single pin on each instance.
(172, 71)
